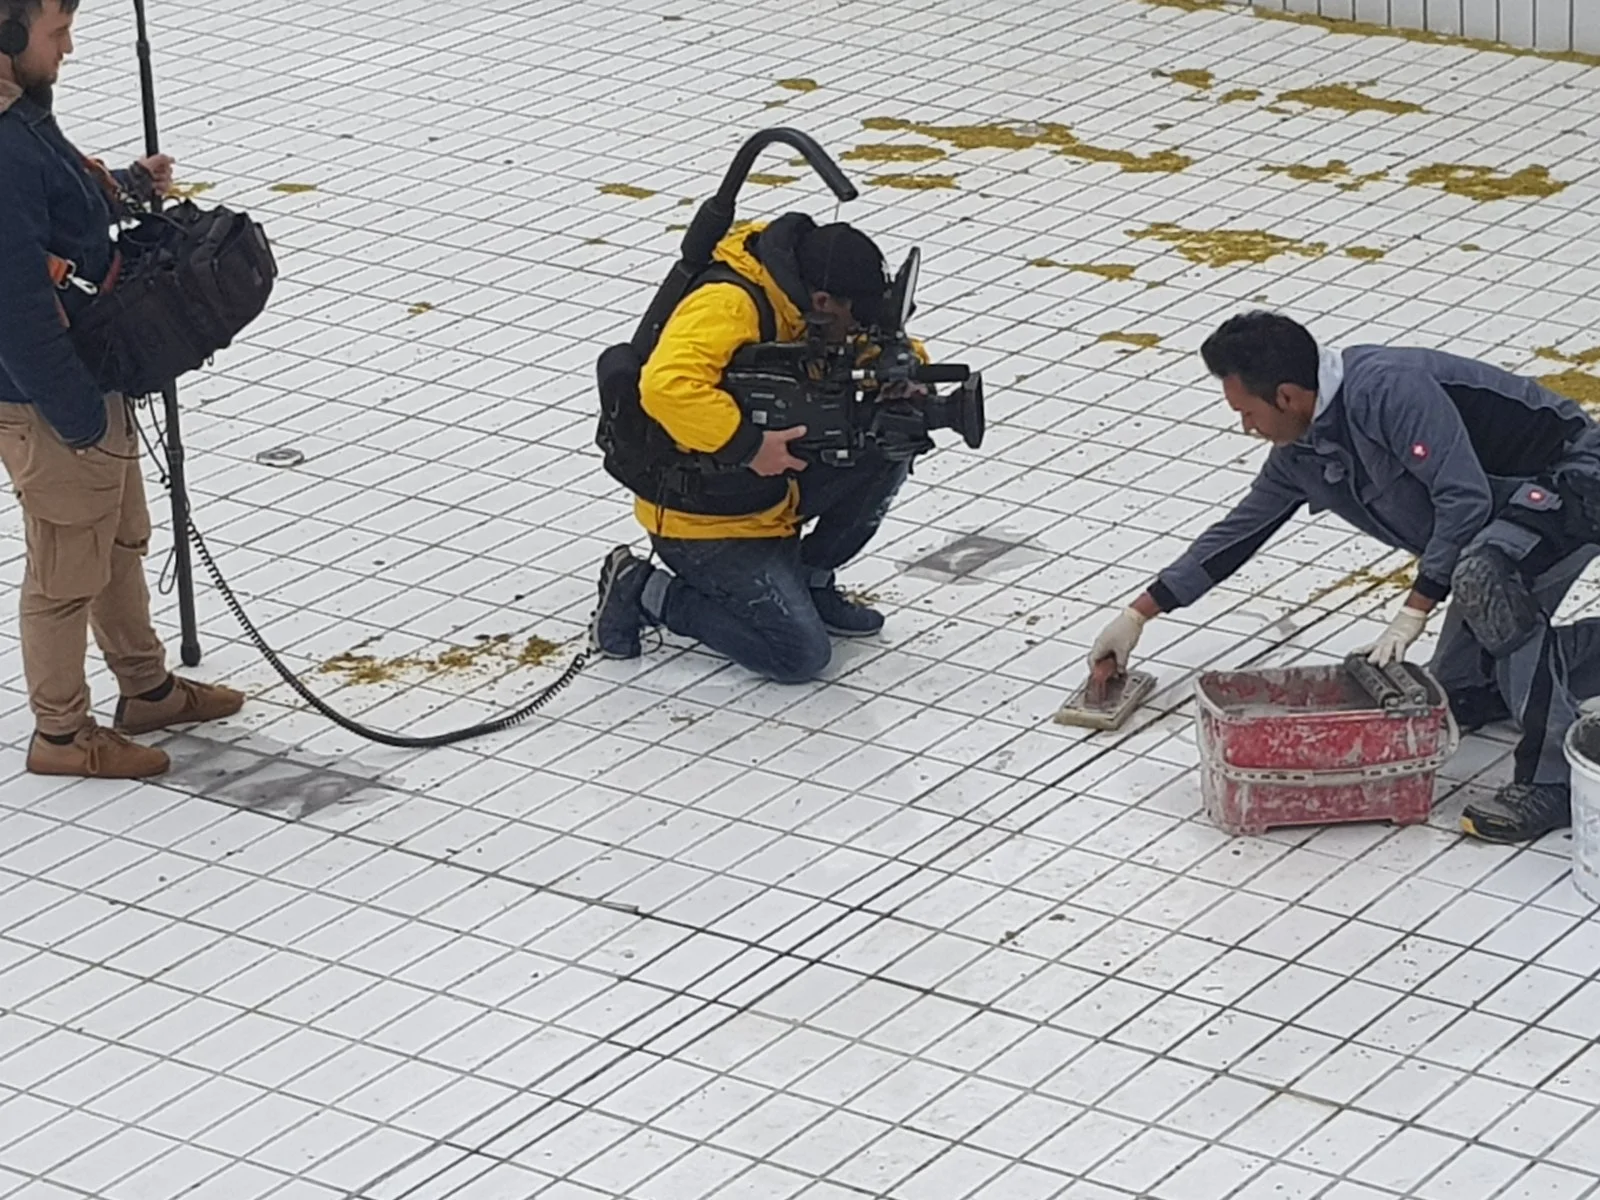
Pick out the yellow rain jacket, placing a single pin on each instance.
(681, 387)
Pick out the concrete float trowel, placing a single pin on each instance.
(1107, 698)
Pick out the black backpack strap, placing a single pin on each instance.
(722, 273)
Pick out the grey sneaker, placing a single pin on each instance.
(618, 616)
(1519, 812)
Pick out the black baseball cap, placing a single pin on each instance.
(842, 261)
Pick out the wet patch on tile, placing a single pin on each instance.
(260, 775)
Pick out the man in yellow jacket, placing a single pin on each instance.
(739, 577)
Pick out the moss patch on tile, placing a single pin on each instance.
(1401, 579)
(1189, 77)
(913, 183)
(1575, 385)
(887, 152)
(188, 191)
(768, 180)
(1140, 341)
(488, 652)
(1121, 272)
(417, 309)
(292, 189)
(1368, 253)
(1030, 135)
(628, 191)
(1228, 247)
(1487, 183)
(1347, 97)
(1372, 29)
(1239, 96)
(1583, 358)
(798, 85)
(1335, 171)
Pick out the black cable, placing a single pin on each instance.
(432, 741)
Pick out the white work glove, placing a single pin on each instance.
(1406, 628)
(1119, 638)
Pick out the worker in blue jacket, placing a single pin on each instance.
(1490, 479)
(70, 450)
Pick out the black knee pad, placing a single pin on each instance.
(1495, 601)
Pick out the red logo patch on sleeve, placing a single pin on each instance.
(1419, 451)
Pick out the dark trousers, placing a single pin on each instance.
(750, 598)
(1542, 680)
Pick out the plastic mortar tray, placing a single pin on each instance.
(1312, 746)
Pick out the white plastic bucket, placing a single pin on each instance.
(1582, 747)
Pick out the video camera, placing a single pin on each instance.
(872, 390)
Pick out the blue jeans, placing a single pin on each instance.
(750, 598)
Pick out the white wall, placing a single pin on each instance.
(1546, 24)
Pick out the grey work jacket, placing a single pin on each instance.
(1418, 448)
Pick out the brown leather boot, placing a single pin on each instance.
(96, 753)
(186, 704)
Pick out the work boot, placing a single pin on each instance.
(843, 616)
(1519, 812)
(96, 753)
(176, 702)
(1475, 707)
(619, 615)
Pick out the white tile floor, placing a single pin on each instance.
(893, 935)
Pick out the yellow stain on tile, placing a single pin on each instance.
(775, 104)
(1240, 96)
(1347, 97)
(676, 228)
(1142, 341)
(1401, 579)
(188, 191)
(887, 152)
(628, 190)
(1369, 253)
(487, 654)
(417, 309)
(292, 189)
(1372, 29)
(1189, 77)
(1029, 135)
(1471, 247)
(1583, 358)
(913, 183)
(1118, 271)
(1575, 385)
(1487, 183)
(1336, 171)
(767, 180)
(1227, 247)
(798, 85)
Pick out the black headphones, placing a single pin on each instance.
(13, 33)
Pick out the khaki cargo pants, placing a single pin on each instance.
(88, 530)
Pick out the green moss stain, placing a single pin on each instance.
(767, 180)
(1487, 183)
(1583, 358)
(188, 191)
(417, 309)
(1368, 253)
(1575, 385)
(1240, 96)
(627, 190)
(487, 653)
(1401, 579)
(798, 85)
(1121, 272)
(1347, 97)
(1228, 247)
(1031, 135)
(913, 183)
(889, 152)
(1190, 77)
(1335, 171)
(292, 189)
(1139, 341)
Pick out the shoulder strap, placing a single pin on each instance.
(722, 273)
